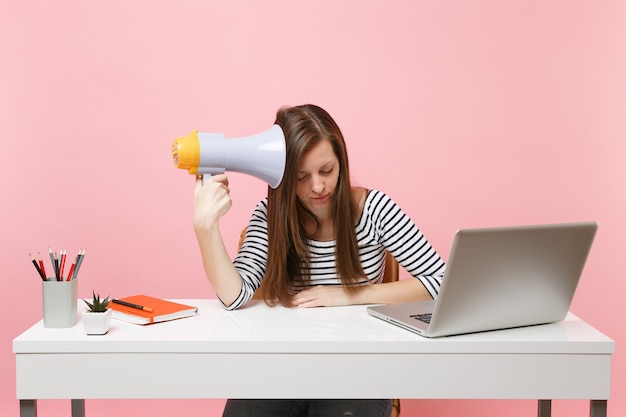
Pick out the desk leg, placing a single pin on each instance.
(78, 408)
(597, 408)
(28, 408)
(544, 408)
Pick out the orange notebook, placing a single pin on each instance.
(162, 310)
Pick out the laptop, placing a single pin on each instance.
(498, 278)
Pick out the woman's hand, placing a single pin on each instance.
(322, 296)
(212, 201)
(402, 291)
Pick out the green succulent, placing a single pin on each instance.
(97, 305)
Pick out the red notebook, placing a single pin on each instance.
(162, 310)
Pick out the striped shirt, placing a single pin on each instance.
(383, 226)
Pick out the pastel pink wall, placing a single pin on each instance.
(468, 113)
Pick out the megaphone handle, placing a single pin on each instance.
(203, 177)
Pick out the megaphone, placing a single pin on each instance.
(261, 155)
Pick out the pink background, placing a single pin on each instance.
(468, 113)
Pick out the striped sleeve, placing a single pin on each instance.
(406, 243)
(251, 260)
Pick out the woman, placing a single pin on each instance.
(313, 218)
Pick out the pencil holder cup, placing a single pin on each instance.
(59, 302)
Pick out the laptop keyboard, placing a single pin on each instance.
(425, 317)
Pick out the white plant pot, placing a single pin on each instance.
(97, 323)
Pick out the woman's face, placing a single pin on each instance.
(317, 178)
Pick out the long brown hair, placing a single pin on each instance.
(288, 254)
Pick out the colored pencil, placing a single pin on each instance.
(52, 260)
(39, 271)
(71, 271)
(79, 261)
(62, 254)
(43, 269)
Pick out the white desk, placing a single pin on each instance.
(262, 352)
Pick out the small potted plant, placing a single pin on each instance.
(97, 316)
